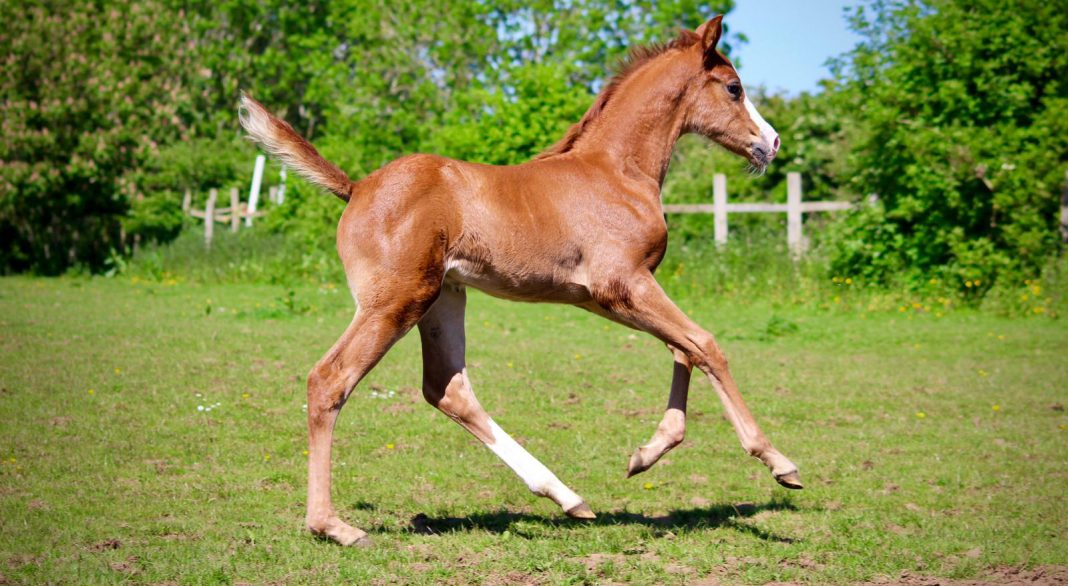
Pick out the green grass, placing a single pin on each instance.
(111, 473)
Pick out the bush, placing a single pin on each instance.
(88, 97)
(964, 114)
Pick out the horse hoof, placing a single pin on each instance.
(637, 464)
(790, 480)
(580, 511)
(341, 533)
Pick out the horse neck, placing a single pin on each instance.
(642, 120)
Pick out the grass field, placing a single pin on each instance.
(155, 433)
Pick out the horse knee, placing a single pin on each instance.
(756, 447)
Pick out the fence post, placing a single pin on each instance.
(254, 191)
(793, 213)
(719, 207)
(235, 212)
(187, 201)
(209, 217)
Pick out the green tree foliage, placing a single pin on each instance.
(89, 92)
(964, 108)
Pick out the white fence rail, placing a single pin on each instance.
(794, 208)
(233, 215)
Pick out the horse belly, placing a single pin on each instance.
(519, 285)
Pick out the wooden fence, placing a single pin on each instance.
(238, 210)
(794, 208)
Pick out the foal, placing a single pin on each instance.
(581, 224)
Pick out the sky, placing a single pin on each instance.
(789, 41)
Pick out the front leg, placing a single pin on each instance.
(641, 303)
(672, 428)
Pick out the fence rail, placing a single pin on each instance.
(793, 208)
(237, 210)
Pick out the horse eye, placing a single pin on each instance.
(734, 89)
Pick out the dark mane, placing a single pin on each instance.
(636, 57)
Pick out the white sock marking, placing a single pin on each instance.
(539, 479)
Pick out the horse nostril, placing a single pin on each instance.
(775, 145)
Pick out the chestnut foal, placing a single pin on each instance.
(581, 224)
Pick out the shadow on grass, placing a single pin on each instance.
(679, 520)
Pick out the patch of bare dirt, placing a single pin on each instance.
(161, 466)
(512, 579)
(1000, 576)
(23, 559)
(106, 545)
(127, 566)
(179, 537)
(596, 560)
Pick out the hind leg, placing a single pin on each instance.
(672, 428)
(373, 331)
(446, 386)
(647, 308)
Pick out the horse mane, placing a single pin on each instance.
(636, 57)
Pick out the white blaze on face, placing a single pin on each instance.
(766, 131)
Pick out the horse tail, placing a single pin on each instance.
(279, 139)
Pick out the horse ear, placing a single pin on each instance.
(710, 33)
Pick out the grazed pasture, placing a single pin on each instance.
(154, 433)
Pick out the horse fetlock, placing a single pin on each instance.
(671, 436)
(557, 492)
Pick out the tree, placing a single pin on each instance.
(964, 106)
(89, 91)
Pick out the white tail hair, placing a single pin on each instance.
(279, 139)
